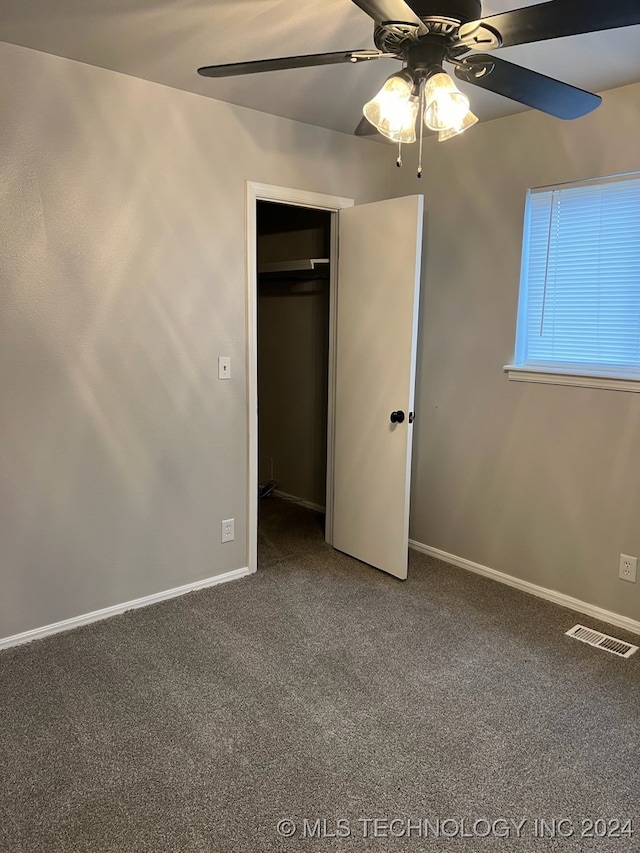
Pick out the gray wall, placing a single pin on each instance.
(541, 482)
(122, 279)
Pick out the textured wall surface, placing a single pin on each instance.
(122, 279)
(539, 481)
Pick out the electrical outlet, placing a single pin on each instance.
(228, 533)
(628, 568)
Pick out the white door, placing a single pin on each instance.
(378, 291)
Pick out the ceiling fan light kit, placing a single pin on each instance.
(394, 109)
(445, 106)
(468, 121)
(432, 94)
(424, 34)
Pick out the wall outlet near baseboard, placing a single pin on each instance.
(628, 568)
(228, 533)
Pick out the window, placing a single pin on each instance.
(579, 307)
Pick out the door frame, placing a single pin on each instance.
(256, 192)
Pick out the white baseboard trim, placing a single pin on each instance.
(568, 601)
(287, 497)
(116, 609)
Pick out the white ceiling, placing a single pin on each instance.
(167, 40)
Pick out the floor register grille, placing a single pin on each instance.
(602, 641)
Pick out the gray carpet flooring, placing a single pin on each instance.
(322, 692)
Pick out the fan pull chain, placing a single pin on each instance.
(421, 121)
(399, 160)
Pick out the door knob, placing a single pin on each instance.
(397, 417)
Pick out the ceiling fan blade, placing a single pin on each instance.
(256, 66)
(553, 19)
(383, 11)
(365, 128)
(525, 86)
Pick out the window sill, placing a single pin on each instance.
(613, 382)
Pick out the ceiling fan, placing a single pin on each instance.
(423, 34)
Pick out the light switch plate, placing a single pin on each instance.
(224, 367)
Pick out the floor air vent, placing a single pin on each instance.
(602, 641)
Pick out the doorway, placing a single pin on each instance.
(371, 372)
(293, 313)
(317, 213)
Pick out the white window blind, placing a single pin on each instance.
(579, 303)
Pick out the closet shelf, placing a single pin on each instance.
(303, 268)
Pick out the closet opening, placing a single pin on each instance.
(293, 346)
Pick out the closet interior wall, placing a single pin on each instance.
(293, 350)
